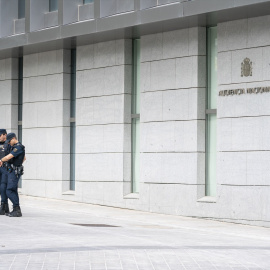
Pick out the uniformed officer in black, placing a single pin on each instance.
(13, 162)
(4, 150)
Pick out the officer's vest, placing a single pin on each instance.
(7, 148)
(17, 161)
(2, 150)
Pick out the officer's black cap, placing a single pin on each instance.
(3, 131)
(10, 136)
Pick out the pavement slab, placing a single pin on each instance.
(56, 234)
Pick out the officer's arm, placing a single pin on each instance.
(24, 159)
(7, 158)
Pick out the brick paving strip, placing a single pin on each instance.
(46, 238)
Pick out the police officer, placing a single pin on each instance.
(4, 150)
(13, 163)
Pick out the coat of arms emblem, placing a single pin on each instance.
(246, 68)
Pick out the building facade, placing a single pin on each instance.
(153, 105)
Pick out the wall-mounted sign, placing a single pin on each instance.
(246, 68)
(255, 90)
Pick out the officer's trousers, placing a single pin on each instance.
(3, 184)
(12, 188)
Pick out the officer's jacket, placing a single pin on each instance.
(18, 151)
(5, 149)
(2, 150)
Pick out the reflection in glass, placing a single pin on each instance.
(53, 5)
(211, 150)
(211, 119)
(212, 68)
(20, 105)
(135, 125)
(72, 115)
(87, 1)
(135, 129)
(21, 9)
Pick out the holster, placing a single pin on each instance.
(8, 167)
(19, 170)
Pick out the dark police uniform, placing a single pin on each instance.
(4, 150)
(18, 151)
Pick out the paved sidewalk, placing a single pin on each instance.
(46, 238)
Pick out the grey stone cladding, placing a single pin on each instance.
(244, 121)
(104, 80)
(46, 107)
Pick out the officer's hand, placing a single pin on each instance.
(1, 163)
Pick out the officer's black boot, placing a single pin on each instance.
(16, 212)
(4, 209)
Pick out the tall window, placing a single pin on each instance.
(20, 98)
(135, 115)
(20, 103)
(72, 118)
(211, 112)
(53, 5)
(87, 1)
(21, 9)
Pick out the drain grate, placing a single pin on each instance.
(94, 225)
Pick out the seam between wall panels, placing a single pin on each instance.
(176, 120)
(44, 75)
(9, 104)
(155, 152)
(45, 180)
(80, 70)
(9, 80)
(46, 127)
(247, 48)
(47, 153)
(245, 116)
(172, 89)
(245, 185)
(243, 151)
(45, 101)
(100, 96)
(147, 122)
(171, 183)
(93, 153)
(50, 180)
(174, 58)
(104, 124)
(234, 83)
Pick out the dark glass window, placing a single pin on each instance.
(135, 118)
(88, 1)
(20, 98)
(53, 5)
(72, 119)
(20, 105)
(211, 113)
(21, 9)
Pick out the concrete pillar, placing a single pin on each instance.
(46, 108)
(103, 121)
